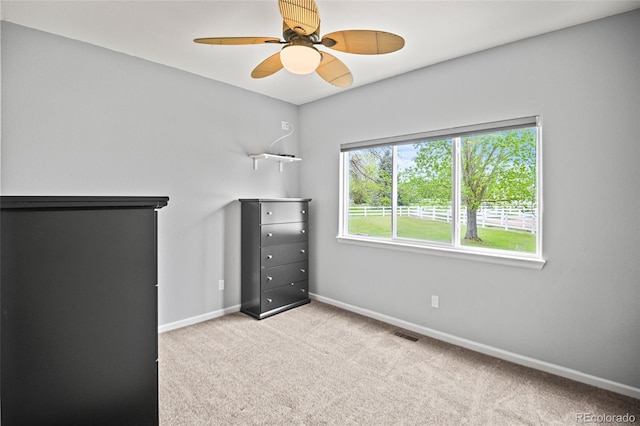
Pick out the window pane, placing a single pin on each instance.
(370, 187)
(498, 193)
(425, 191)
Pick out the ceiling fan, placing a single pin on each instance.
(301, 33)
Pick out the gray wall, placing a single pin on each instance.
(582, 310)
(82, 120)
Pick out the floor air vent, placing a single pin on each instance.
(405, 336)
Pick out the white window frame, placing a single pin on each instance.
(503, 257)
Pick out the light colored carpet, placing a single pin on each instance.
(320, 365)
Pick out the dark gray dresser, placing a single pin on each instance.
(79, 327)
(275, 253)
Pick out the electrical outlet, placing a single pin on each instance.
(220, 284)
(285, 125)
(435, 302)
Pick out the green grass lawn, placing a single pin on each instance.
(410, 227)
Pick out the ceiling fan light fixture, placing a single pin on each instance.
(300, 59)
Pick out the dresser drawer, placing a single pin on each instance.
(283, 233)
(283, 254)
(285, 295)
(283, 275)
(275, 212)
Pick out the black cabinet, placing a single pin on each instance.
(78, 296)
(275, 249)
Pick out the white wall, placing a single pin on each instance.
(82, 120)
(582, 311)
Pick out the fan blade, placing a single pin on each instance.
(332, 70)
(364, 42)
(237, 40)
(300, 15)
(269, 66)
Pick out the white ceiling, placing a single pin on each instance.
(434, 31)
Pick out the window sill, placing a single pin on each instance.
(517, 261)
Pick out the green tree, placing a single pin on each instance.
(497, 168)
(370, 176)
(429, 179)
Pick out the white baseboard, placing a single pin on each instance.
(488, 350)
(200, 318)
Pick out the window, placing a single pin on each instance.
(473, 190)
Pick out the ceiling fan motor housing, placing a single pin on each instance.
(289, 35)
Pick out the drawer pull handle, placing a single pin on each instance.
(293, 283)
(269, 212)
(303, 211)
(269, 278)
(269, 256)
(269, 300)
(303, 271)
(303, 251)
(303, 232)
(269, 234)
(302, 290)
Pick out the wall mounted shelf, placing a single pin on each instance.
(273, 157)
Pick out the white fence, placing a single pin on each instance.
(514, 218)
